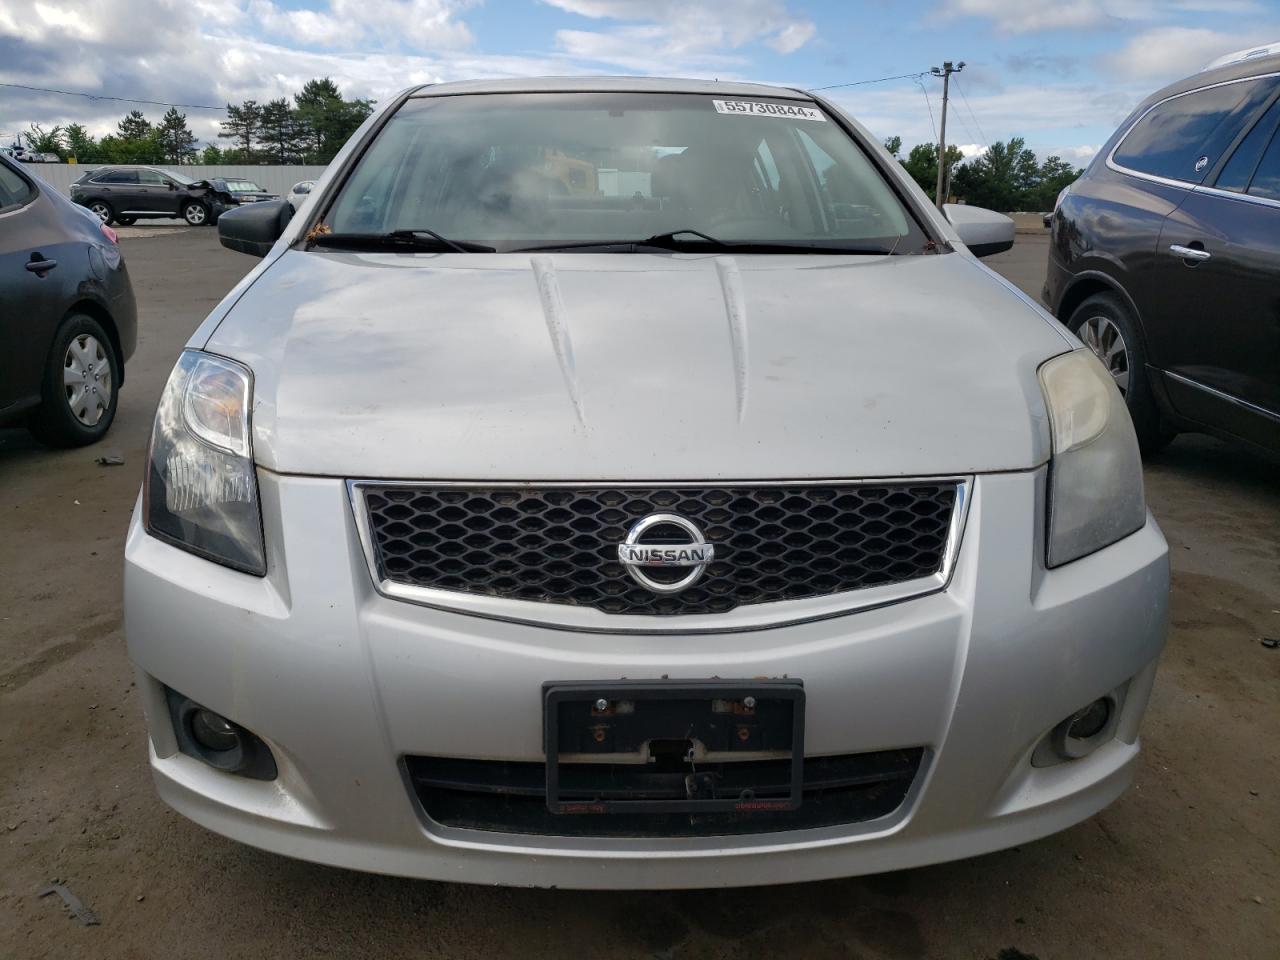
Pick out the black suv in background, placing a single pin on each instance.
(124, 194)
(1165, 257)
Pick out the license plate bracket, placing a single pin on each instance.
(722, 721)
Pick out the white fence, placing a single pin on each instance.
(273, 179)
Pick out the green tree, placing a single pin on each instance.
(80, 144)
(1055, 173)
(176, 139)
(40, 141)
(211, 154)
(134, 126)
(893, 145)
(242, 128)
(326, 119)
(1004, 178)
(922, 164)
(279, 131)
(117, 149)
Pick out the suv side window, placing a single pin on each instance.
(118, 176)
(1183, 137)
(15, 192)
(1238, 171)
(1266, 179)
(150, 178)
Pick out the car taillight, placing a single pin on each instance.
(109, 234)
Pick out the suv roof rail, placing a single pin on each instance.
(1248, 53)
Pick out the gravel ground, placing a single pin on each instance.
(1186, 863)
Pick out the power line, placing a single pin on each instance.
(859, 83)
(985, 141)
(932, 125)
(95, 96)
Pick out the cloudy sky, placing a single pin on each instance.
(1061, 73)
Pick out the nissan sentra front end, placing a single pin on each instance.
(485, 553)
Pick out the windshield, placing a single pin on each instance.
(243, 186)
(178, 178)
(527, 170)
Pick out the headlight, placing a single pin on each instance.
(1095, 477)
(200, 492)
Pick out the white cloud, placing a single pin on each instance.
(414, 24)
(654, 35)
(1078, 155)
(1025, 16)
(1164, 54)
(1036, 112)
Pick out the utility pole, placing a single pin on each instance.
(945, 72)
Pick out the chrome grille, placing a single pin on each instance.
(558, 544)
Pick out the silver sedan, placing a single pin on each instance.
(636, 483)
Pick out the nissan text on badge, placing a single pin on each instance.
(625, 483)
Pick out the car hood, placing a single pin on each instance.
(639, 366)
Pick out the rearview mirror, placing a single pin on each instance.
(255, 227)
(983, 231)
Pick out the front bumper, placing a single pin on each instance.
(344, 683)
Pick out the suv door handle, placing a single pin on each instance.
(41, 266)
(1189, 253)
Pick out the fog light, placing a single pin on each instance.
(214, 732)
(221, 743)
(1085, 730)
(1090, 721)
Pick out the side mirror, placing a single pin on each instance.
(983, 231)
(171, 185)
(254, 227)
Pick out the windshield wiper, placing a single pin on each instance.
(671, 240)
(418, 239)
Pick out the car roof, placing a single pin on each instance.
(610, 85)
(1237, 70)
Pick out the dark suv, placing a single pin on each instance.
(125, 193)
(1165, 257)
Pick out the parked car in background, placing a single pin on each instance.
(300, 192)
(241, 190)
(126, 193)
(22, 154)
(1165, 256)
(68, 321)
(725, 524)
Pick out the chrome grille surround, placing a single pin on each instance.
(751, 615)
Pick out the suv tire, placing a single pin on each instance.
(1106, 325)
(102, 210)
(80, 389)
(195, 213)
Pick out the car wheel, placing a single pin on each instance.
(195, 213)
(78, 392)
(126, 221)
(1105, 325)
(102, 210)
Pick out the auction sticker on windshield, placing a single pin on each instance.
(793, 111)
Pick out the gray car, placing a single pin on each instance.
(636, 483)
(68, 321)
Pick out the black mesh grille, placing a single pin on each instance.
(560, 545)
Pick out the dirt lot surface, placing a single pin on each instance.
(1186, 863)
